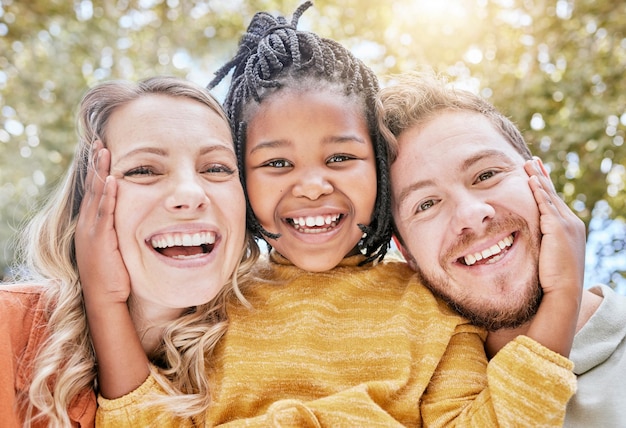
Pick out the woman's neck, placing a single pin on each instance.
(150, 322)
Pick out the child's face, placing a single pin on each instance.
(311, 175)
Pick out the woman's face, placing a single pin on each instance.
(311, 175)
(180, 209)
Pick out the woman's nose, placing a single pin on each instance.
(187, 193)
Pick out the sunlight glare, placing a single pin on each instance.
(442, 10)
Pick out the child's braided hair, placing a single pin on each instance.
(273, 54)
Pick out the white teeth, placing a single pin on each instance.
(183, 240)
(470, 259)
(312, 221)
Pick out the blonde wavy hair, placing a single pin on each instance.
(65, 365)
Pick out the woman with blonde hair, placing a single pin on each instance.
(180, 218)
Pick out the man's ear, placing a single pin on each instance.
(405, 253)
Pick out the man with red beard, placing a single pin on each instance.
(478, 219)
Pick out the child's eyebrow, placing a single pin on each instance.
(335, 139)
(338, 139)
(270, 145)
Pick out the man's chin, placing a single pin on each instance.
(491, 316)
(493, 320)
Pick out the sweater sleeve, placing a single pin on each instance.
(527, 385)
(133, 409)
(353, 407)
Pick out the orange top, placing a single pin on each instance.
(23, 319)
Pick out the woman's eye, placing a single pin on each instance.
(219, 169)
(339, 158)
(141, 170)
(485, 175)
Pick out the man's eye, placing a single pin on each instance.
(485, 175)
(425, 205)
(141, 170)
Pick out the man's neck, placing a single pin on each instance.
(497, 339)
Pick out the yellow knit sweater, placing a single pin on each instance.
(362, 346)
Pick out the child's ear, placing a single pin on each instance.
(405, 253)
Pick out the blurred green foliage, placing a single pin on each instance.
(556, 67)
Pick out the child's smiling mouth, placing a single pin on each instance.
(315, 224)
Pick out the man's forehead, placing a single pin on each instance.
(454, 136)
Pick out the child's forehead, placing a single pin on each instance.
(274, 96)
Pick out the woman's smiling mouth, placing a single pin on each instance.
(184, 245)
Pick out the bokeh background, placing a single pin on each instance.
(555, 67)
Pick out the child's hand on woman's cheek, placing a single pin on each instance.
(103, 276)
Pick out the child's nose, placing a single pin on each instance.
(312, 184)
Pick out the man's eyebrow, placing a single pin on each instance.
(483, 154)
(467, 163)
(406, 191)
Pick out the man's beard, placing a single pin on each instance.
(494, 316)
(489, 317)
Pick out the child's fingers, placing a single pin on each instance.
(93, 182)
(106, 207)
(543, 188)
(545, 201)
(98, 204)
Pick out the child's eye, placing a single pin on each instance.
(278, 163)
(140, 170)
(339, 158)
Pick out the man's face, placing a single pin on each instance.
(468, 219)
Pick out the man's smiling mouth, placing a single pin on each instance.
(184, 245)
(315, 224)
(488, 255)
